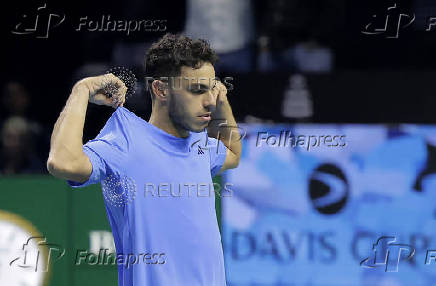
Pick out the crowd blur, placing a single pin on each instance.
(20, 134)
(292, 37)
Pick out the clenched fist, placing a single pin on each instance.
(105, 89)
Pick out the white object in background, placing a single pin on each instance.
(297, 102)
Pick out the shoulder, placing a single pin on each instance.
(215, 146)
(122, 120)
(121, 116)
(118, 130)
(203, 141)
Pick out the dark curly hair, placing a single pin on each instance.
(171, 52)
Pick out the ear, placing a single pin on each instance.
(160, 89)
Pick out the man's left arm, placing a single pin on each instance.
(224, 128)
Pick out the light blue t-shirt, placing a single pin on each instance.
(159, 198)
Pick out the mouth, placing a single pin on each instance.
(205, 116)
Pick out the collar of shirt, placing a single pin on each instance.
(169, 142)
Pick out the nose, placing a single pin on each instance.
(209, 101)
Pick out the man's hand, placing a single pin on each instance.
(99, 86)
(220, 94)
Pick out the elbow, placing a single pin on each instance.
(54, 167)
(77, 170)
(59, 168)
(50, 165)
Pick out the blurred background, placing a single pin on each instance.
(363, 70)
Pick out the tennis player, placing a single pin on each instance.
(156, 176)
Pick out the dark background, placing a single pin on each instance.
(374, 79)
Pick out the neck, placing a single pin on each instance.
(164, 122)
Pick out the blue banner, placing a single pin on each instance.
(332, 205)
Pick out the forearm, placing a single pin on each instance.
(66, 144)
(223, 127)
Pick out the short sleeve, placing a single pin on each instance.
(108, 151)
(98, 169)
(217, 154)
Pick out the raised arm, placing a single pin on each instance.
(66, 158)
(224, 127)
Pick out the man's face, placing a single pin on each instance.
(192, 95)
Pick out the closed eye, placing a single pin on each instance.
(198, 91)
(199, 88)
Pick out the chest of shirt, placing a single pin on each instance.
(151, 163)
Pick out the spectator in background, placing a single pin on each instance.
(297, 35)
(21, 136)
(17, 154)
(228, 25)
(15, 99)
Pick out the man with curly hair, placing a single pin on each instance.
(156, 176)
